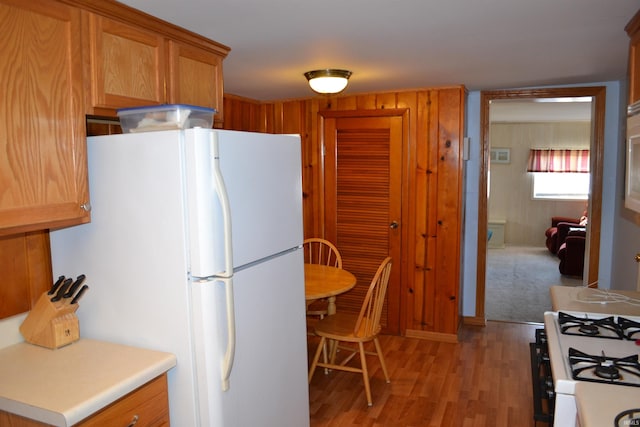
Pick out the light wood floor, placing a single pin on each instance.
(482, 381)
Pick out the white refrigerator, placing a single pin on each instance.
(194, 248)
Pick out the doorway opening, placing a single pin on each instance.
(597, 95)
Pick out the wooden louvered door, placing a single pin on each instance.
(363, 192)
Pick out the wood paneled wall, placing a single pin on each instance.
(25, 264)
(431, 262)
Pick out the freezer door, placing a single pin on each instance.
(263, 180)
(264, 183)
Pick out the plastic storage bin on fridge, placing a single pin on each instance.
(165, 117)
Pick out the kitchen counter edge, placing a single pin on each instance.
(64, 386)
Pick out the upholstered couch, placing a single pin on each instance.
(571, 251)
(552, 242)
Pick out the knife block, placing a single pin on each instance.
(51, 324)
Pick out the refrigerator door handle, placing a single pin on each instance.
(227, 275)
(223, 197)
(229, 355)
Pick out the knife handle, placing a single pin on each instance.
(79, 294)
(73, 288)
(55, 286)
(62, 290)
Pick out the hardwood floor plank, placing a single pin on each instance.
(482, 381)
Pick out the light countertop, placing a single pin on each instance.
(63, 386)
(582, 299)
(599, 404)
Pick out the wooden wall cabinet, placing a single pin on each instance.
(127, 64)
(632, 164)
(65, 59)
(135, 59)
(195, 77)
(43, 171)
(633, 31)
(61, 60)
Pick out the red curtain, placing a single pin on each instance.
(558, 161)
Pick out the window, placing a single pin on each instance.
(560, 174)
(563, 186)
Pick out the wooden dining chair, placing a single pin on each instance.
(352, 330)
(320, 251)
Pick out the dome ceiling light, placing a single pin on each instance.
(328, 81)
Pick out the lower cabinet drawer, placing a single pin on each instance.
(148, 406)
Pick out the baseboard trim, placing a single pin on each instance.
(433, 336)
(474, 321)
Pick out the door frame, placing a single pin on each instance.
(598, 93)
(396, 324)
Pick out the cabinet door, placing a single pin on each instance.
(43, 170)
(195, 77)
(127, 65)
(148, 406)
(633, 31)
(634, 69)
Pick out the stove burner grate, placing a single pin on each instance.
(603, 369)
(630, 329)
(606, 327)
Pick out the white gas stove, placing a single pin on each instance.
(590, 347)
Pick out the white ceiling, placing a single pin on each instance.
(408, 44)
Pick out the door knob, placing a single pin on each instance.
(394, 225)
(637, 257)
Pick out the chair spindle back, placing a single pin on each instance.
(321, 251)
(368, 323)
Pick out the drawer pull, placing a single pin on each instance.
(134, 421)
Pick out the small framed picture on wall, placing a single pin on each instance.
(500, 155)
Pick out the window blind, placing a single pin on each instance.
(552, 160)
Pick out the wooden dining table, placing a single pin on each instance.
(323, 281)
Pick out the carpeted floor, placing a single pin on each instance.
(518, 281)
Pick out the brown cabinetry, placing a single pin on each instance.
(62, 59)
(633, 30)
(127, 64)
(148, 406)
(65, 59)
(43, 175)
(631, 199)
(134, 59)
(195, 77)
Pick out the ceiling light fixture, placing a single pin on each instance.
(328, 80)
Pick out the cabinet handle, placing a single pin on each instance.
(134, 421)
(86, 207)
(394, 225)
